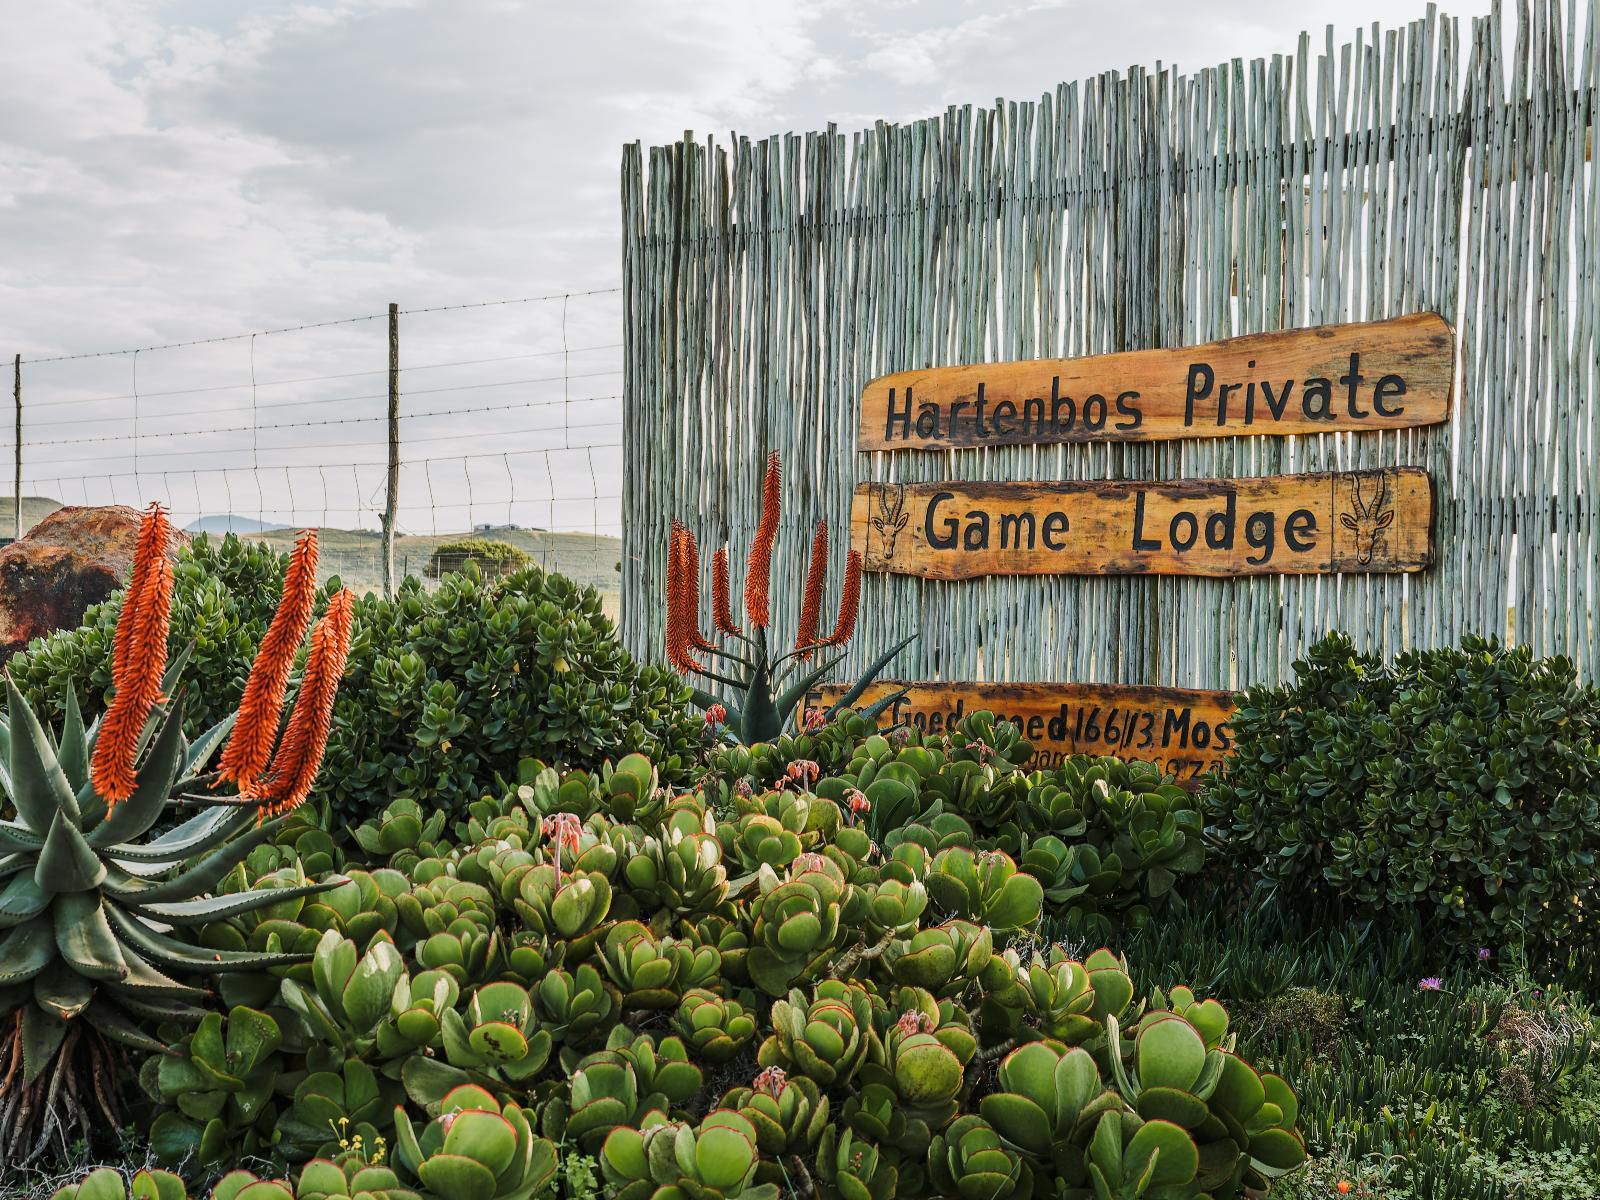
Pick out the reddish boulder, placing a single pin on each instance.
(73, 558)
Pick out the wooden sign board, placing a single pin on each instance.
(1356, 521)
(1183, 731)
(1393, 374)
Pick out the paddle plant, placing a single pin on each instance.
(95, 899)
(765, 685)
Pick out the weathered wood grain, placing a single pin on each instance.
(1184, 731)
(1348, 522)
(1394, 374)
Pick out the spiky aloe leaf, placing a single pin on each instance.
(796, 692)
(157, 1008)
(41, 1038)
(195, 836)
(26, 950)
(198, 879)
(67, 863)
(198, 754)
(174, 955)
(16, 839)
(73, 753)
(38, 787)
(867, 676)
(218, 908)
(84, 937)
(114, 1024)
(21, 900)
(62, 992)
(135, 815)
(144, 982)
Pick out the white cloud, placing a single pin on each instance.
(172, 170)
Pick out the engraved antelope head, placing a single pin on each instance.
(1368, 520)
(891, 521)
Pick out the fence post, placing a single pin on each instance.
(16, 394)
(392, 493)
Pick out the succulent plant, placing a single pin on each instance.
(678, 870)
(653, 972)
(498, 1035)
(986, 887)
(105, 1183)
(573, 1005)
(970, 1160)
(764, 688)
(221, 1083)
(476, 1149)
(454, 923)
(346, 1102)
(1047, 1100)
(416, 1012)
(715, 1160)
(795, 922)
(349, 1177)
(788, 1115)
(402, 833)
(1071, 1000)
(827, 1037)
(714, 1027)
(851, 1167)
(945, 959)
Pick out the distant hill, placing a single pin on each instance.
(34, 510)
(231, 523)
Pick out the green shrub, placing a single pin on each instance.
(444, 692)
(447, 690)
(492, 558)
(1457, 789)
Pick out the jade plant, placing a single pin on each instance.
(765, 686)
(98, 904)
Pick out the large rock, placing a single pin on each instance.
(73, 558)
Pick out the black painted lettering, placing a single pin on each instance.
(1140, 542)
(1005, 418)
(1197, 387)
(1183, 531)
(1261, 533)
(1389, 385)
(1352, 381)
(898, 417)
(1319, 391)
(1219, 526)
(977, 534)
(1133, 411)
(1055, 523)
(1299, 530)
(1012, 528)
(1094, 412)
(947, 539)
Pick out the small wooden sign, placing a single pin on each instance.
(1183, 731)
(1355, 521)
(1392, 374)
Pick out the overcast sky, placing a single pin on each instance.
(176, 171)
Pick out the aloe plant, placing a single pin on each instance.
(95, 905)
(765, 686)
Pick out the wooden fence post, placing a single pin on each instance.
(392, 492)
(16, 394)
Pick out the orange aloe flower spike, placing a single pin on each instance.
(721, 607)
(811, 604)
(249, 747)
(691, 591)
(758, 577)
(299, 756)
(142, 627)
(849, 602)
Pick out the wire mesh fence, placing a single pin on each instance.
(507, 416)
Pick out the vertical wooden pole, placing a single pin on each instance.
(16, 394)
(392, 493)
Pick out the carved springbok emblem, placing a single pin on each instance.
(891, 521)
(1368, 520)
